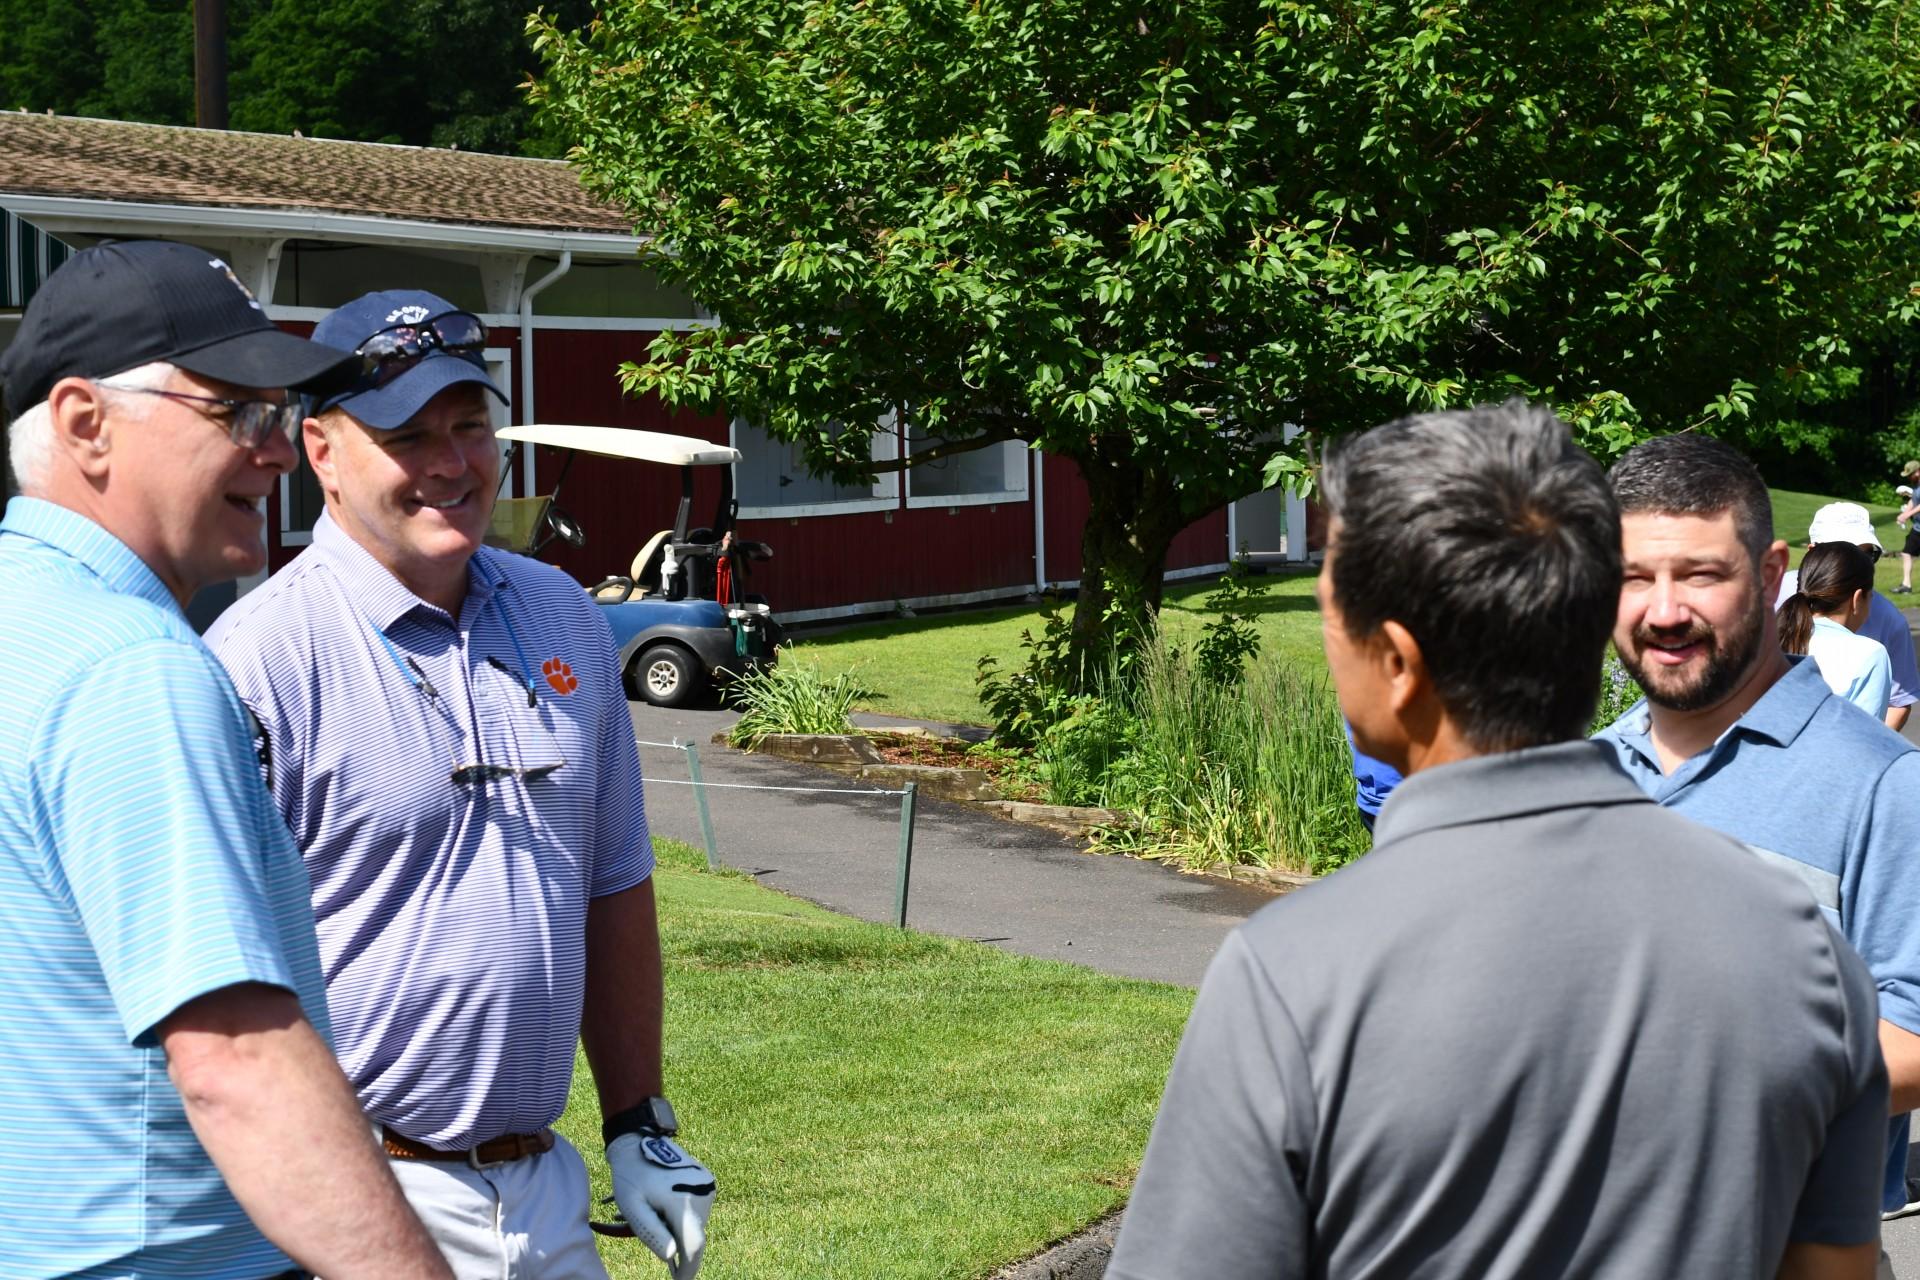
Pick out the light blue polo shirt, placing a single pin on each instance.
(141, 866)
(1812, 783)
(452, 914)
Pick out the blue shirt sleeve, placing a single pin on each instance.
(1876, 686)
(1881, 886)
(1897, 636)
(156, 826)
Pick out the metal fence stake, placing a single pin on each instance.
(906, 855)
(700, 798)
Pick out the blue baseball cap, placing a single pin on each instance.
(393, 405)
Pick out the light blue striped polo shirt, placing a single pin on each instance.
(1816, 786)
(141, 866)
(452, 915)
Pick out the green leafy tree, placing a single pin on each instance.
(1145, 236)
(424, 72)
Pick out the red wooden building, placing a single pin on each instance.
(309, 224)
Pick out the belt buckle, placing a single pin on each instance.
(474, 1160)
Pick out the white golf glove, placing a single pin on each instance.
(665, 1196)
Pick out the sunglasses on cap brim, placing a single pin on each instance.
(392, 351)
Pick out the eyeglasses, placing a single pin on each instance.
(391, 352)
(469, 773)
(248, 422)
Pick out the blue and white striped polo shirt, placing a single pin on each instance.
(141, 866)
(452, 914)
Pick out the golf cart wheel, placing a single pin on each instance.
(667, 676)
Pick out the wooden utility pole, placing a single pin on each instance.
(210, 63)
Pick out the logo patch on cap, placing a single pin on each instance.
(227, 271)
(407, 315)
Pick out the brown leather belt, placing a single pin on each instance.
(501, 1150)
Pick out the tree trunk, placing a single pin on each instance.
(1131, 523)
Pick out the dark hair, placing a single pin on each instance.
(1829, 575)
(1491, 537)
(1696, 475)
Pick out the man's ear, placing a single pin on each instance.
(82, 430)
(1403, 666)
(1773, 567)
(319, 454)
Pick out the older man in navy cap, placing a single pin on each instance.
(450, 743)
(172, 1106)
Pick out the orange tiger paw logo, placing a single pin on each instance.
(559, 675)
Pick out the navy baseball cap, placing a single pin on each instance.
(125, 303)
(392, 405)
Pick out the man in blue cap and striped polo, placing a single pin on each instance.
(450, 743)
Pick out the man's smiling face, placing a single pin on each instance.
(1693, 608)
(417, 497)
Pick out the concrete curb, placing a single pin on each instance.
(1082, 1256)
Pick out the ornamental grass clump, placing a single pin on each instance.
(1254, 771)
(793, 698)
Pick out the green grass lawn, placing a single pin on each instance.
(923, 667)
(885, 1104)
(1793, 512)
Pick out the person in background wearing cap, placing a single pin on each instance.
(1738, 736)
(1911, 547)
(172, 1103)
(451, 745)
(1849, 522)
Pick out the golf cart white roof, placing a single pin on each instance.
(623, 442)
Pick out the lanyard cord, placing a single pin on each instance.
(526, 672)
(418, 678)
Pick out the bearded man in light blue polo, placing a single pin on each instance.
(1742, 738)
(449, 741)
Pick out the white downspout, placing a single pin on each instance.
(1296, 511)
(1039, 522)
(526, 358)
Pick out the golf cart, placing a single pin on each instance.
(681, 619)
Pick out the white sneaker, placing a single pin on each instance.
(1912, 1205)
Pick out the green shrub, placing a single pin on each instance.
(1618, 693)
(1046, 689)
(793, 698)
(1230, 640)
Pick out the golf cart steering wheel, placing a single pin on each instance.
(565, 527)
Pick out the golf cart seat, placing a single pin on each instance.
(643, 576)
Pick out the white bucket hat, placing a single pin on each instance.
(1843, 522)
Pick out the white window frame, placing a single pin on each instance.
(883, 447)
(499, 368)
(1013, 470)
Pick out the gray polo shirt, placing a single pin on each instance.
(1545, 1028)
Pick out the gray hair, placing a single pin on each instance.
(30, 437)
(1492, 538)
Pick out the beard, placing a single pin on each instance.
(1727, 658)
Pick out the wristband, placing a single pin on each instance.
(654, 1116)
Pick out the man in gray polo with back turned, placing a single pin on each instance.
(1546, 1028)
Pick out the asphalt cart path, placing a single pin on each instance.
(975, 875)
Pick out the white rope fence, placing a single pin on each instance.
(700, 787)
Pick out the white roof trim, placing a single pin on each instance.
(624, 442)
(55, 214)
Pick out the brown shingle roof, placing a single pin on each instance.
(161, 164)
